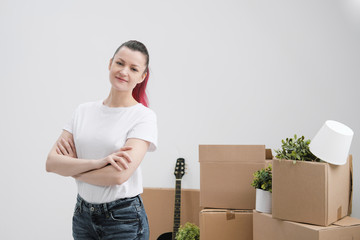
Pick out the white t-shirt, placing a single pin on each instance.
(98, 131)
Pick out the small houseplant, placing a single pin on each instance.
(296, 149)
(262, 182)
(188, 232)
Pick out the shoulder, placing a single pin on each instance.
(86, 108)
(145, 112)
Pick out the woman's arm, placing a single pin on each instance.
(108, 175)
(62, 158)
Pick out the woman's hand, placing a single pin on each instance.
(119, 160)
(66, 147)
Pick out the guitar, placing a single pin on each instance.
(179, 173)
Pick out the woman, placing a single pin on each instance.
(102, 148)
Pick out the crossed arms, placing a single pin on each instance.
(114, 169)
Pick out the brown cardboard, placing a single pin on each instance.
(310, 192)
(232, 153)
(269, 157)
(267, 228)
(268, 154)
(225, 224)
(226, 173)
(159, 205)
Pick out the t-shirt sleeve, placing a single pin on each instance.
(70, 124)
(146, 129)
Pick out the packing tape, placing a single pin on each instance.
(230, 215)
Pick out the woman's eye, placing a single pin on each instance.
(119, 63)
(134, 69)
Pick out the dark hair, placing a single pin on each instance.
(139, 92)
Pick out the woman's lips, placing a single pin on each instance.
(121, 79)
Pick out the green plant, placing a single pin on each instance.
(296, 149)
(263, 179)
(188, 232)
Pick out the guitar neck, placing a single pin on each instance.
(177, 207)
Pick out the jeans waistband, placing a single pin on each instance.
(105, 207)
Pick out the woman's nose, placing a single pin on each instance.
(124, 71)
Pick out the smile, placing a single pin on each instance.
(121, 79)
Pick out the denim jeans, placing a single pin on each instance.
(121, 219)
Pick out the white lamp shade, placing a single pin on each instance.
(332, 142)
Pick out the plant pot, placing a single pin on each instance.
(263, 201)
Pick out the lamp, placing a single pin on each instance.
(332, 142)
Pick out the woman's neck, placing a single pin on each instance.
(119, 99)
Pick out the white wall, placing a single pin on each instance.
(222, 72)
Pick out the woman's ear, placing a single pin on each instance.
(110, 63)
(144, 76)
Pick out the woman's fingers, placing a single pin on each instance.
(114, 164)
(58, 150)
(126, 148)
(124, 155)
(117, 162)
(62, 149)
(71, 142)
(122, 162)
(67, 146)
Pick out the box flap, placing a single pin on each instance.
(232, 153)
(347, 221)
(268, 154)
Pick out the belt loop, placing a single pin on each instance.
(140, 200)
(106, 211)
(80, 203)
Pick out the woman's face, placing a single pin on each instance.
(127, 69)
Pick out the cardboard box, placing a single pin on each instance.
(269, 157)
(159, 205)
(216, 224)
(226, 173)
(310, 192)
(267, 228)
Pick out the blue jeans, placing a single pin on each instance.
(121, 219)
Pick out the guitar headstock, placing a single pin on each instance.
(179, 168)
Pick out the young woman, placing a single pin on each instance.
(102, 147)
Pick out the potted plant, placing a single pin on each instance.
(262, 182)
(296, 149)
(188, 232)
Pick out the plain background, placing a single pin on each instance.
(222, 72)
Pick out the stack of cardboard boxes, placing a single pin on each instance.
(311, 200)
(226, 194)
